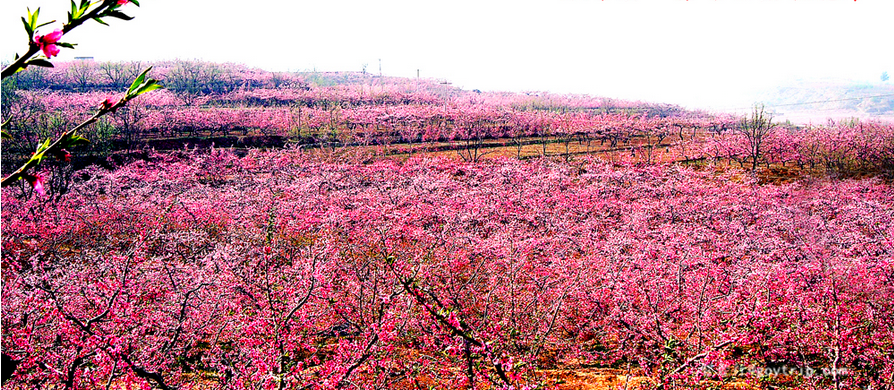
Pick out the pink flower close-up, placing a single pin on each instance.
(36, 182)
(50, 50)
(52, 37)
(123, 2)
(47, 43)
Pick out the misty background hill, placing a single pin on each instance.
(816, 101)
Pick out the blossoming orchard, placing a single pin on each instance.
(245, 229)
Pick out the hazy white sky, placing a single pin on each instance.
(697, 53)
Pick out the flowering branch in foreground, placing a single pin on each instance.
(71, 137)
(50, 43)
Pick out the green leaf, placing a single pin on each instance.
(119, 15)
(136, 83)
(45, 24)
(33, 18)
(74, 140)
(39, 154)
(28, 29)
(73, 14)
(66, 45)
(36, 159)
(41, 63)
(79, 141)
(137, 3)
(150, 86)
(78, 11)
(98, 20)
(42, 147)
(6, 135)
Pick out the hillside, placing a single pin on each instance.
(246, 229)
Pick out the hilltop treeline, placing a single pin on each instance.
(341, 88)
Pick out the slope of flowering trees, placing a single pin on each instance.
(278, 270)
(287, 270)
(283, 270)
(218, 99)
(346, 109)
(840, 147)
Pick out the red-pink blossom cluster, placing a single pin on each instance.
(47, 43)
(277, 270)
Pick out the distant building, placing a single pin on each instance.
(90, 59)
